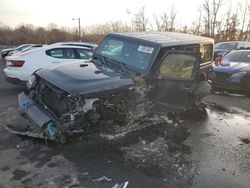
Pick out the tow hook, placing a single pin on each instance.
(51, 130)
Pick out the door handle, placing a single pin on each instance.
(55, 62)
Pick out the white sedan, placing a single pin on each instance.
(19, 68)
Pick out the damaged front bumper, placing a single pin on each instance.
(39, 125)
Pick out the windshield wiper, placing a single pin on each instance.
(121, 64)
(105, 59)
(123, 67)
(104, 62)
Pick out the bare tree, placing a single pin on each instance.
(162, 22)
(247, 32)
(166, 22)
(140, 20)
(172, 18)
(211, 10)
(243, 21)
(232, 23)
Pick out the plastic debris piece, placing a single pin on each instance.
(85, 173)
(75, 182)
(125, 184)
(122, 185)
(103, 178)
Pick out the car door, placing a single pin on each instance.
(172, 81)
(57, 56)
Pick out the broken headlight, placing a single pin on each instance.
(32, 82)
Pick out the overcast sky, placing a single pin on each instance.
(61, 12)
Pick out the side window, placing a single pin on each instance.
(65, 53)
(247, 45)
(84, 54)
(241, 46)
(178, 65)
(191, 48)
(206, 53)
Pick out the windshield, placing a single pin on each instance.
(226, 45)
(130, 53)
(238, 56)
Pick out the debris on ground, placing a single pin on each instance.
(85, 173)
(229, 94)
(167, 119)
(122, 131)
(103, 178)
(122, 185)
(75, 182)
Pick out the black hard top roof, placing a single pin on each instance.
(164, 38)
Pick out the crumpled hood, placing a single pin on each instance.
(84, 78)
(232, 67)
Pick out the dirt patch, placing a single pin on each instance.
(19, 174)
(245, 140)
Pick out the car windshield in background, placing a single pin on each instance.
(227, 46)
(129, 53)
(238, 56)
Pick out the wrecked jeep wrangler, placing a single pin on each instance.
(130, 76)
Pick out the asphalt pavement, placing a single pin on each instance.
(210, 151)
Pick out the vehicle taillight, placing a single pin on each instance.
(14, 63)
(218, 60)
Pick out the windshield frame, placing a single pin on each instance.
(129, 66)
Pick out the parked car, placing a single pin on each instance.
(19, 68)
(232, 45)
(82, 44)
(10, 51)
(25, 49)
(222, 48)
(131, 76)
(5, 52)
(233, 72)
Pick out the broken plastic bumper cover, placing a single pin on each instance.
(39, 124)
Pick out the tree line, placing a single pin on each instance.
(217, 19)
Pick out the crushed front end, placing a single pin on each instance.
(54, 113)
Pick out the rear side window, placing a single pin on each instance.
(176, 65)
(84, 54)
(65, 53)
(238, 56)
